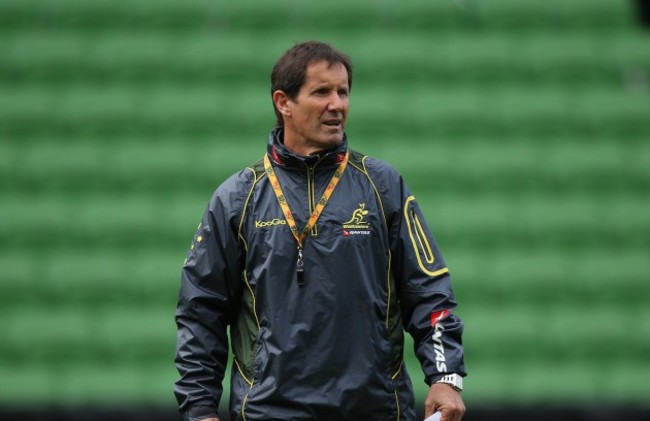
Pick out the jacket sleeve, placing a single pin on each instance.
(205, 308)
(424, 289)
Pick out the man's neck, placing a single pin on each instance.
(300, 148)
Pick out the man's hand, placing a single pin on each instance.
(442, 397)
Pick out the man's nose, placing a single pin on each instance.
(335, 102)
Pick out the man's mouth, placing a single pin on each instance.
(332, 122)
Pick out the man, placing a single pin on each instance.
(317, 257)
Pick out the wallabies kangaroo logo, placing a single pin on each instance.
(357, 225)
(358, 214)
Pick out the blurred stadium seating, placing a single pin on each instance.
(522, 127)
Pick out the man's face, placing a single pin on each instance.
(318, 113)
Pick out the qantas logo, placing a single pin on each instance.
(436, 316)
(271, 223)
(439, 349)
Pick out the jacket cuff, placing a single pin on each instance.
(201, 411)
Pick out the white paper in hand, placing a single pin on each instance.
(435, 417)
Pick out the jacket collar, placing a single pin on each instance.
(282, 156)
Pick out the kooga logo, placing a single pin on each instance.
(271, 223)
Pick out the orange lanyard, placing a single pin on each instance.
(286, 210)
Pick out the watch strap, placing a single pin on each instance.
(453, 380)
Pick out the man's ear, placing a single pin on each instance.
(282, 103)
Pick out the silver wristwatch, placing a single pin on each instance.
(453, 380)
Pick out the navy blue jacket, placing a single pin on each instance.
(329, 347)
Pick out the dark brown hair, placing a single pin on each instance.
(290, 70)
